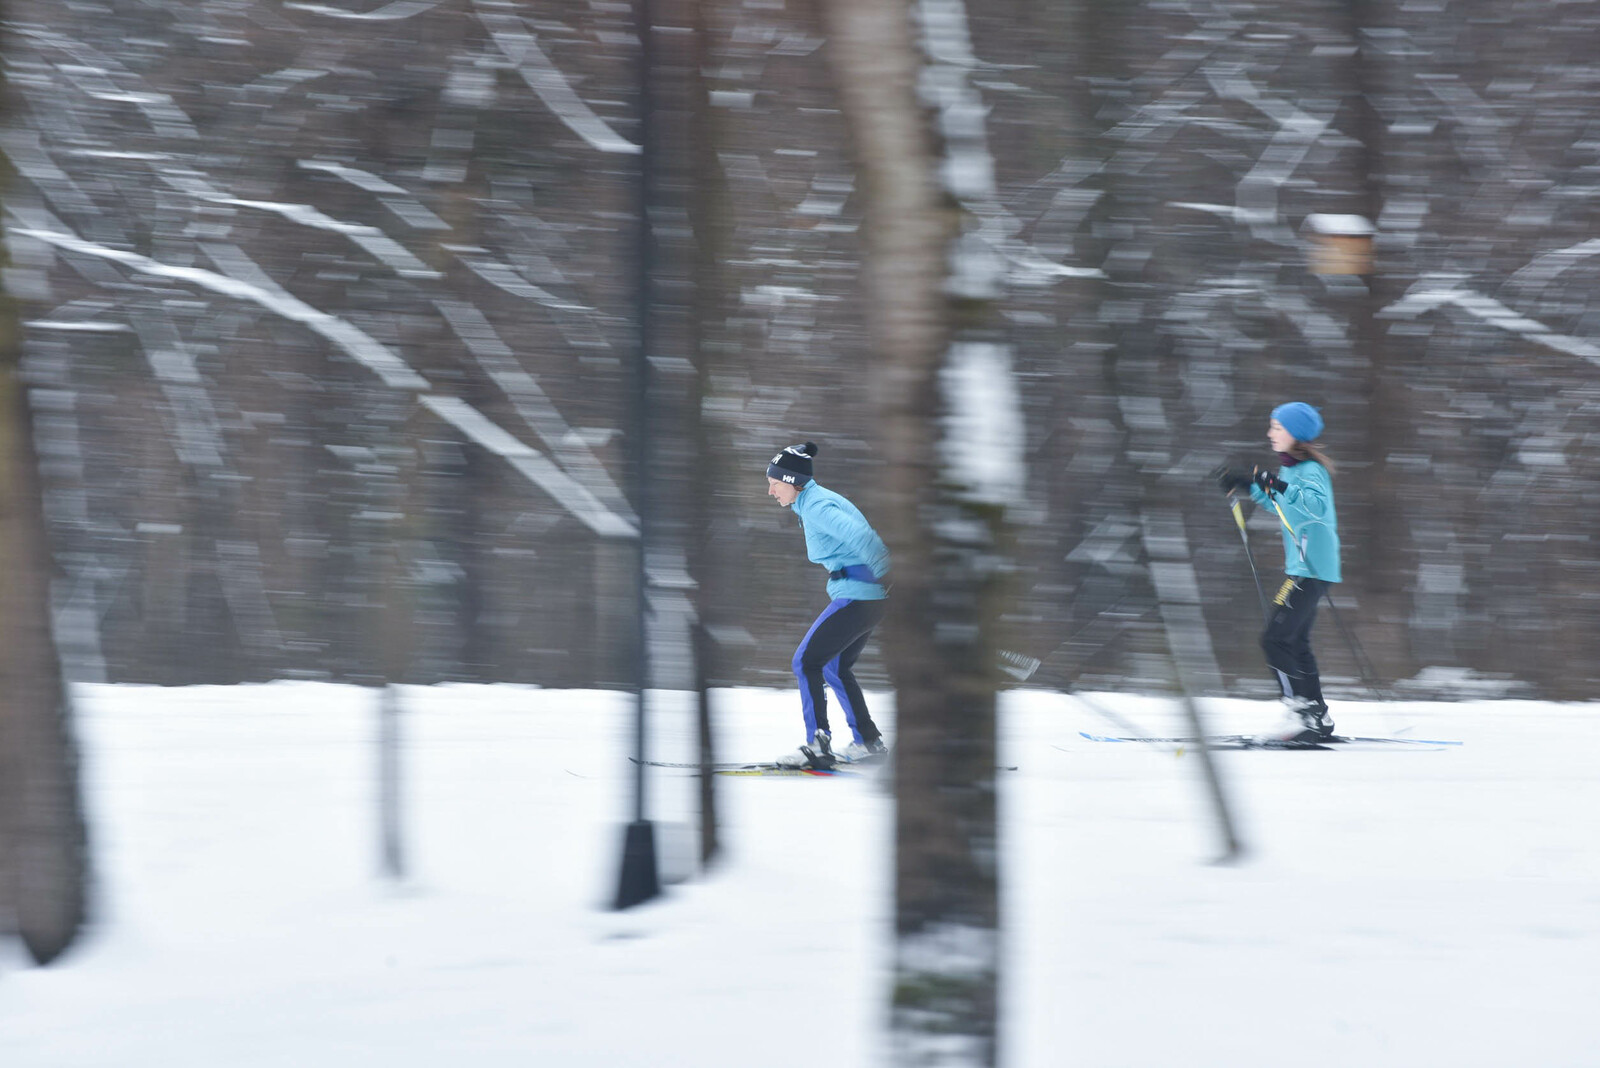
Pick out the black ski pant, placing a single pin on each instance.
(826, 656)
(1287, 638)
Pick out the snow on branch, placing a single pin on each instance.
(532, 464)
(362, 347)
(373, 241)
(255, 287)
(390, 12)
(531, 402)
(549, 84)
(1248, 216)
(991, 254)
(1544, 269)
(90, 75)
(1298, 131)
(197, 437)
(505, 277)
(1434, 291)
(397, 199)
(26, 152)
(983, 423)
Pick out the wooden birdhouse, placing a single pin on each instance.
(1339, 244)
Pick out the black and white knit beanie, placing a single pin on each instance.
(793, 465)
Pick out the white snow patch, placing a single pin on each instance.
(1339, 225)
(1436, 907)
(983, 425)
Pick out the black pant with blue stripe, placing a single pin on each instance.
(1287, 638)
(826, 655)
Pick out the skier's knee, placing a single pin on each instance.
(810, 660)
(1275, 648)
(806, 671)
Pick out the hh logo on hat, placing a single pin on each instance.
(793, 465)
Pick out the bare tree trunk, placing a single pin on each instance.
(1172, 575)
(946, 542)
(689, 236)
(43, 860)
(1380, 497)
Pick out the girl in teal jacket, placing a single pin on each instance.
(1300, 497)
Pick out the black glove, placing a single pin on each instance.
(1230, 479)
(1269, 482)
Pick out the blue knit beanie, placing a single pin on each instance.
(1303, 422)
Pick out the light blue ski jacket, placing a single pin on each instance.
(1312, 550)
(837, 536)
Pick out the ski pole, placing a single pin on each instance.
(1363, 664)
(1266, 608)
(1358, 654)
(1116, 719)
(1238, 517)
(1021, 666)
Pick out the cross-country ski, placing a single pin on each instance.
(1247, 741)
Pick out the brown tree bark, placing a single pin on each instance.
(945, 588)
(43, 858)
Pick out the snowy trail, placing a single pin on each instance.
(1397, 908)
(1424, 908)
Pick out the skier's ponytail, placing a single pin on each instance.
(1306, 450)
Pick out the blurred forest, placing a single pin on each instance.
(329, 323)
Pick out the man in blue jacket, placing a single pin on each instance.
(839, 538)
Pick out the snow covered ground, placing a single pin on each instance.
(1396, 907)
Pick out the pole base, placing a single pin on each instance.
(640, 879)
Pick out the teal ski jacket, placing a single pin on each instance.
(1312, 548)
(838, 536)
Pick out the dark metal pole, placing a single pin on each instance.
(1238, 519)
(640, 879)
(392, 846)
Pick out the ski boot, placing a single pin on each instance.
(872, 752)
(1307, 722)
(818, 755)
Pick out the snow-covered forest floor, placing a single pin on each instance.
(1397, 907)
